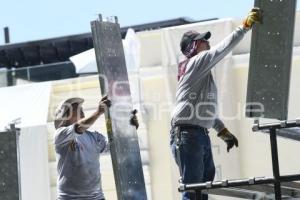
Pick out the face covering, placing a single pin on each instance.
(191, 50)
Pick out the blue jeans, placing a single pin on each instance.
(196, 159)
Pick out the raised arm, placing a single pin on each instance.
(86, 122)
(206, 60)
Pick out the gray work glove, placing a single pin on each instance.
(229, 138)
(133, 119)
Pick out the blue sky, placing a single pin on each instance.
(39, 19)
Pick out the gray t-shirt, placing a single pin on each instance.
(196, 96)
(78, 165)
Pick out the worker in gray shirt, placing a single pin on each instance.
(196, 108)
(78, 150)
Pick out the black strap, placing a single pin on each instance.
(177, 149)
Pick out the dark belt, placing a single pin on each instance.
(190, 126)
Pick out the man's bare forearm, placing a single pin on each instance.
(87, 122)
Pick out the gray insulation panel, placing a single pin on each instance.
(9, 171)
(124, 146)
(270, 60)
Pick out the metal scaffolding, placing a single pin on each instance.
(282, 186)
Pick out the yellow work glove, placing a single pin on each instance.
(229, 138)
(253, 17)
